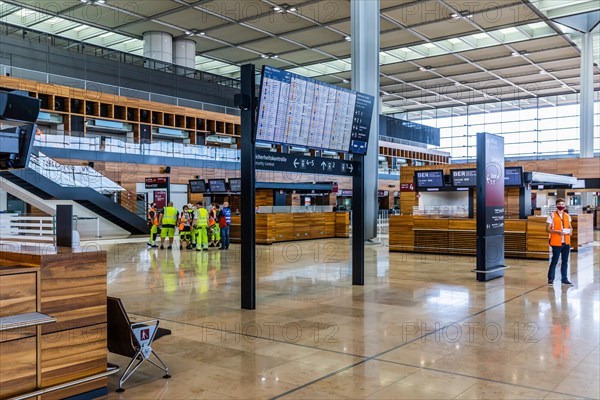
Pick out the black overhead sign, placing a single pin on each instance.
(265, 160)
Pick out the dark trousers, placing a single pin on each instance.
(562, 252)
(225, 237)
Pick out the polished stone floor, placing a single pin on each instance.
(421, 327)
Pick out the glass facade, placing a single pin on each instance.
(539, 128)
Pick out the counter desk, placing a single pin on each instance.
(52, 321)
(282, 227)
(522, 238)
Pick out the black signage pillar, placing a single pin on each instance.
(490, 207)
(64, 225)
(247, 103)
(358, 223)
(524, 202)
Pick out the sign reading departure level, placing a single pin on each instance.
(300, 111)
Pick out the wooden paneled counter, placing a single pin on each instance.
(69, 286)
(522, 238)
(272, 228)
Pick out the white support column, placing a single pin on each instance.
(184, 53)
(158, 46)
(586, 99)
(586, 106)
(364, 22)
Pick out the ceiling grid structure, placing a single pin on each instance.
(434, 54)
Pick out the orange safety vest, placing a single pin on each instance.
(153, 216)
(183, 221)
(560, 223)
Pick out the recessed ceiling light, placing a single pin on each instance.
(542, 72)
(345, 80)
(277, 8)
(348, 38)
(457, 83)
(264, 56)
(284, 8)
(515, 54)
(202, 33)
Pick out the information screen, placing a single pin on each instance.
(464, 177)
(430, 179)
(197, 186)
(513, 176)
(300, 111)
(217, 185)
(235, 185)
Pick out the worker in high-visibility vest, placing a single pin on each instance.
(167, 221)
(185, 228)
(558, 225)
(214, 232)
(200, 233)
(153, 224)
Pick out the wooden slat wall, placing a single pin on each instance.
(73, 355)
(522, 238)
(18, 372)
(401, 233)
(74, 290)
(342, 224)
(18, 294)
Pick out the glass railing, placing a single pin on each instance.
(72, 175)
(573, 210)
(114, 145)
(293, 209)
(448, 211)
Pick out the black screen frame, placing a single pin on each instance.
(197, 180)
(520, 168)
(463, 169)
(441, 172)
(217, 191)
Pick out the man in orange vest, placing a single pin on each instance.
(153, 224)
(558, 225)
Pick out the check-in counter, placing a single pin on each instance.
(442, 235)
(284, 227)
(52, 322)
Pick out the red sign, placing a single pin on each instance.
(407, 187)
(334, 188)
(157, 183)
(160, 198)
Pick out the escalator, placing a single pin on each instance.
(48, 189)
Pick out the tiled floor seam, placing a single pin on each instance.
(478, 378)
(374, 357)
(254, 336)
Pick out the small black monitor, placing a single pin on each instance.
(15, 146)
(235, 184)
(464, 177)
(430, 178)
(197, 186)
(513, 176)
(217, 185)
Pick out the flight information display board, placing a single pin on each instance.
(430, 179)
(296, 110)
(235, 184)
(464, 177)
(217, 185)
(197, 186)
(513, 176)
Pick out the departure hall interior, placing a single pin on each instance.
(299, 199)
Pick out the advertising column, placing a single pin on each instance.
(490, 207)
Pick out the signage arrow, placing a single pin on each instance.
(351, 168)
(323, 165)
(295, 163)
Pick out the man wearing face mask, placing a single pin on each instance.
(558, 225)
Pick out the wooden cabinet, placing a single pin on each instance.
(70, 287)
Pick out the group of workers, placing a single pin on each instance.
(198, 227)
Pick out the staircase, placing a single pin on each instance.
(49, 180)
